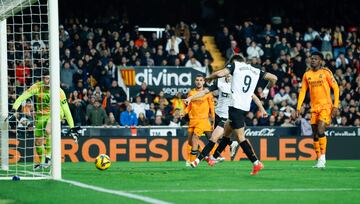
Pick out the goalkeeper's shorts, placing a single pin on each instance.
(40, 125)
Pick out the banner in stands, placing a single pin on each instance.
(139, 145)
(168, 79)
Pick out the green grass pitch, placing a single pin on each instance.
(228, 182)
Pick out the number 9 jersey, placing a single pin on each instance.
(245, 79)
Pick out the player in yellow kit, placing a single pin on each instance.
(319, 80)
(42, 117)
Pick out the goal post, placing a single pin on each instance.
(54, 58)
(22, 62)
(4, 97)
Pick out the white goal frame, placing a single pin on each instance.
(54, 59)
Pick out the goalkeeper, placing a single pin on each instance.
(41, 90)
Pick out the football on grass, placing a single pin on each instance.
(102, 162)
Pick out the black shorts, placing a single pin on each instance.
(236, 118)
(219, 121)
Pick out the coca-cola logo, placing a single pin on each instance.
(262, 132)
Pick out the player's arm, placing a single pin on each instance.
(335, 87)
(196, 96)
(271, 78)
(202, 93)
(272, 81)
(187, 108)
(212, 107)
(229, 69)
(34, 89)
(259, 105)
(65, 107)
(304, 87)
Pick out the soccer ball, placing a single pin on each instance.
(102, 162)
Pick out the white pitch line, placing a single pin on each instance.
(247, 190)
(116, 192)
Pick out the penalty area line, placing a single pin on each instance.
(247, 190)
(115, 192)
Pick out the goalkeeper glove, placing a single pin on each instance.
(74, 133)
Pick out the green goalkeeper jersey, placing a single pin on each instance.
(42, 101)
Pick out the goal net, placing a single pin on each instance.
(26, 53)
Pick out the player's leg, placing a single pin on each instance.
(324, 121)
(322, 141)
(315, 135)
(248, 150)
(216, 135)
(189, 146)
(230, 124)
(40, 124)
(225, 140)
(195, 144)
(48, 143)
(233, 147)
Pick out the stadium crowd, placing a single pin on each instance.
(92, 52)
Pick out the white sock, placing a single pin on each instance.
(256, 162)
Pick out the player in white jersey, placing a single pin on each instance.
(221, 115)
(245, 78)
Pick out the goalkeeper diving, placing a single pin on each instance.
(41, 91)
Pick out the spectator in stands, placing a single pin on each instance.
(147, 60)
(37, 45)
(281, 96)
(159, 57)
(283, 46)
(176, 120)
(111, 73)
(22, 72)
(272, 120)
(78, 111)
(142, 120)
(339, 40)
(97, 115)
(128, 117)
(357, 122)
(109, 103)
(118, 93)
(158, 121)
(67, 71)
(145, 92)
(178, 103)
(268, 31)
(268, 47)
(233, 49)
(138, 107)
(310, 35)
(341, 61)
(192, 62)
(203, 54)
(161, 99)
(254, 51)
(112, 121)
(222, 39)
(326, 47)
(196, 40)
(173, 44)
(182, 31)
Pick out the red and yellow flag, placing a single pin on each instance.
(128, 75)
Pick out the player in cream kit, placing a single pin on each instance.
(245, 78)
